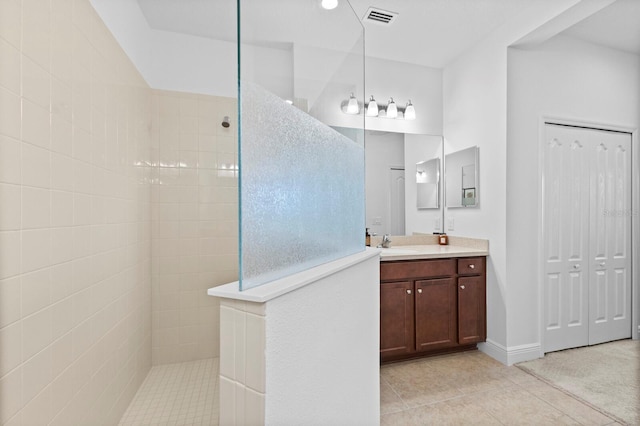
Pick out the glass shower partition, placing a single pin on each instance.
(301, 182)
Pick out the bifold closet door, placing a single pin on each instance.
(587, 231)
(610, 237)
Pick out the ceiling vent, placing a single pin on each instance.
(379, 16)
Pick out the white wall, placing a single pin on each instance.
(474, 113)
(303, 349)
(402, 81)
(563, 78)
(420, 148)
(322, 351)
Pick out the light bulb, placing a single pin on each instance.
(372, 108)
(392, 109)
(410, 111)
(329, 4)
(352, 106)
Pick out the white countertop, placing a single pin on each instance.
(428, 251)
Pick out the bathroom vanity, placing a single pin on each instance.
(432, 299)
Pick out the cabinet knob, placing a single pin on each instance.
(419, 290)
(462, 287)
(602, 264)
(576, 266)
(408, 291)
(472, 266)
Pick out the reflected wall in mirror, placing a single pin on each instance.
(461, 178)
(390, 181)
(428, 184)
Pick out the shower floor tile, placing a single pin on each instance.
(176, 394)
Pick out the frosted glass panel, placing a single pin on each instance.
(301, 182)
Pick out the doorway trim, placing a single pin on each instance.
(635, 212)
(390, 171)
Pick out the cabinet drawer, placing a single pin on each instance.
(471, 265)
(417, 269)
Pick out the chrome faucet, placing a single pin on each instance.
(386, 241)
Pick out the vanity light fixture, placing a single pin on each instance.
(392, 109)
(352, 106)
(372, 108)
(329, 4)
(409, 111)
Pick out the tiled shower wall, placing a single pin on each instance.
(194, 219)
(75, 255)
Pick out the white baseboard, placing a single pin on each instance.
(494, 350)
(510, 355)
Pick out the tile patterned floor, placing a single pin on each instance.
(472, 388)
(176, 394)
(459, 389)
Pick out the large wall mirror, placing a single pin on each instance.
(461, 178)
(392, 187)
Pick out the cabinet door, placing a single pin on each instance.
(396, 318)
(471, 310)
(436, 315)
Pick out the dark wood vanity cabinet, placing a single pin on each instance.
(431, 306)
(397, 324)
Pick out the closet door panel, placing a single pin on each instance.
(610, 237)
(566, 228)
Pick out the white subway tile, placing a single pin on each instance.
(9, 67)
(10, 392)
(61, 354)
(36, 83)
(10, 348)
(36, 166)
(10, 207)
(36, 330)
(10, 114)
(61, 208)
(62, 318)
(240, 403)
(38, 411)
(61, 281)
(227, 402)
(36, 31)
(255, 350)
(81, 209)
(62, 177)
(36, 208)
(36, 249)
(62, 249)
(61, 135)
(36, 291)
(36, 374)
(63, 390)
(36, 124)
(10, 160)
(11, 21)
(254, 407)
(10, 301)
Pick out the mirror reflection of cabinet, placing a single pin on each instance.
(461, 178)
(428, 184)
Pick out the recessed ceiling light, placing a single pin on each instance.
(329, 4)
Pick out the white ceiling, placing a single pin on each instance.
(429, 33)
(616, 26)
